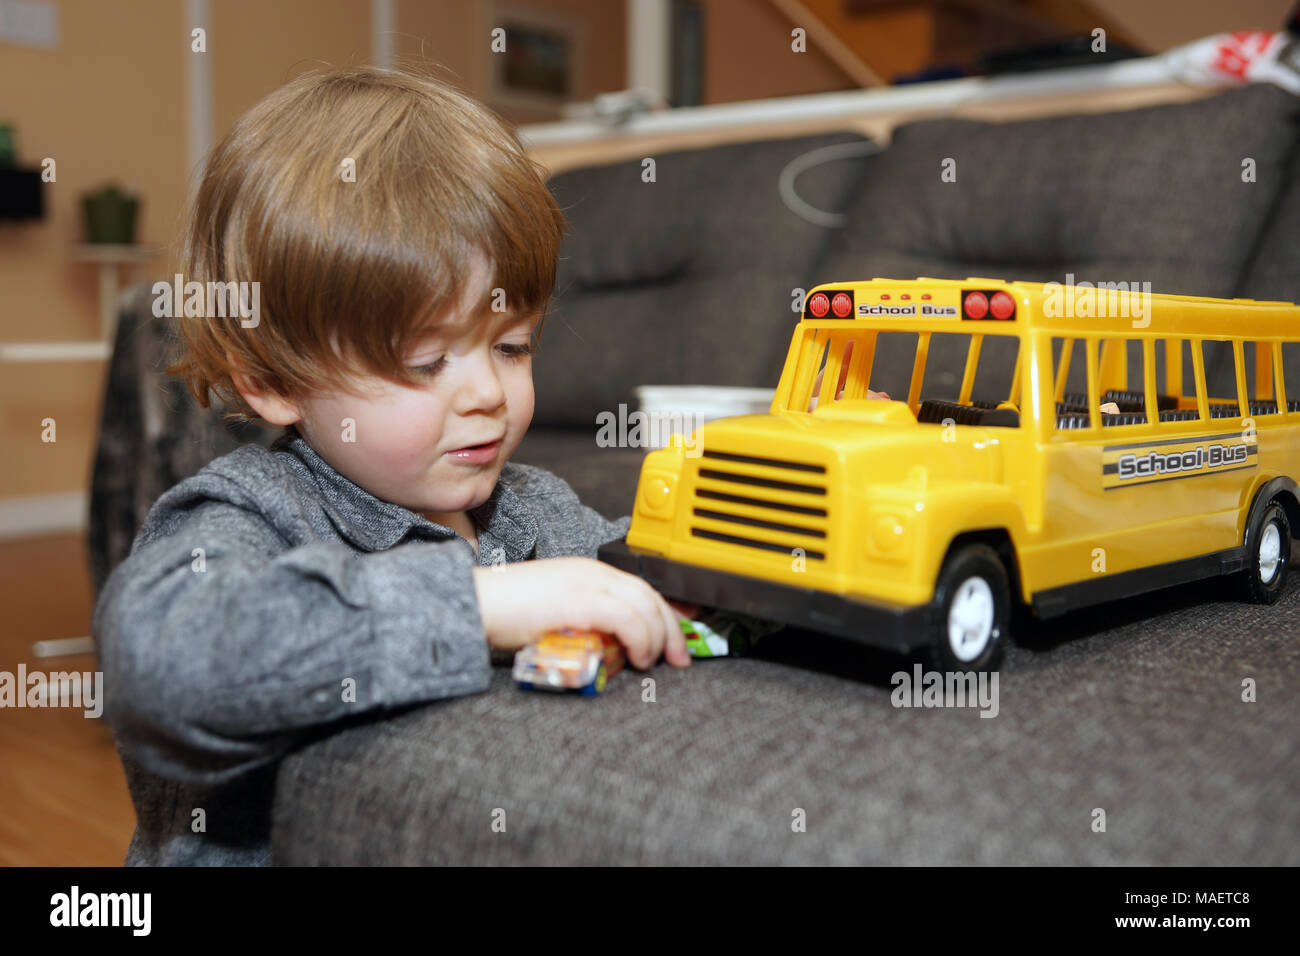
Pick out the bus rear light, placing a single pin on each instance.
(1002, 305)
(842, 304)
(819, 304)
(975, 305)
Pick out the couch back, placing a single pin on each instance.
(662, 280)
(686, 278)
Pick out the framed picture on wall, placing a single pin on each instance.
(541, 67)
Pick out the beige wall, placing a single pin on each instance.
(107, 104)
(748, 55)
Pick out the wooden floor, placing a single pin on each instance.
(63, 797)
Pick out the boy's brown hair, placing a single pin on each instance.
(367, 264)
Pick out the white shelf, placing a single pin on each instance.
(55, 351)
(109, 258)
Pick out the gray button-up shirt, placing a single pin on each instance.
(268, 597)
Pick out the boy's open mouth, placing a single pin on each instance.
(483, 445)
(477, 454)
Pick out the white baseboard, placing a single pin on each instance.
(27, 516)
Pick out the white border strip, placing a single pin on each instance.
(30, 516)
(383, 26)
(55, 351)
(198, 86)
(649, 46)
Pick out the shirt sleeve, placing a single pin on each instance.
(596, 529)
(221, 649)
(590, 529)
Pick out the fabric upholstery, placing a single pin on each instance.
(1154, 194)
(1134, 709)
(687, 280)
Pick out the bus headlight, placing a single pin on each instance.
(889, 533)
(657, 493)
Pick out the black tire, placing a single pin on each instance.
(974, 575)
(1268, 554)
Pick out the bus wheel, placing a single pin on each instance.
(1268, 554)
(974, 609)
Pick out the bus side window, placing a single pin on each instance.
(1191, 395)
(1070, 383)
(1291, 374)
(1220, 378)
(1123, 382)
(1260, 380)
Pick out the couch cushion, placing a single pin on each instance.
(687, 280)
(1274, 271)
(1153, 194)
(1134, 708)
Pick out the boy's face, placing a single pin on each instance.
(477, 387)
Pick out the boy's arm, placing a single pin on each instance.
(220, 648)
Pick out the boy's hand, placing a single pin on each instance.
(520, 602)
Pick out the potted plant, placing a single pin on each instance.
(109, 215)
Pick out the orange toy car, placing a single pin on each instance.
(568, 659)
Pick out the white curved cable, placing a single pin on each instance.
(809, 160)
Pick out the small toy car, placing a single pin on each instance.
(568, 659)
(704, 641)
(721, 633)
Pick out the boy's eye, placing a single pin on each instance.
(428, 369)
(511, 351)
(516, 351)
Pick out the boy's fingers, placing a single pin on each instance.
(628, 626)
(667, 620)
(675, 641)
(660, 622)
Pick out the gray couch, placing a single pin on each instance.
(1134, 708)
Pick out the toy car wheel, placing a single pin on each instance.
(597, 686)
(1268, 554)
(974, 609)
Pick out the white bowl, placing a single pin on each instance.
(683, 408)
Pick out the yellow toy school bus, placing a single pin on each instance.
(914, 522)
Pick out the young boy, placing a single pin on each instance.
(404, 249)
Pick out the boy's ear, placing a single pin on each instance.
(270, 407)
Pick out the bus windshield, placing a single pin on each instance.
(917, 367)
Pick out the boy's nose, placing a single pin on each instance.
(481, 387)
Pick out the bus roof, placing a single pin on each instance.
(1071, 308)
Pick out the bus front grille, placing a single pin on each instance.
(764, 505)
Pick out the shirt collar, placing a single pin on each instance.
(507, 528)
